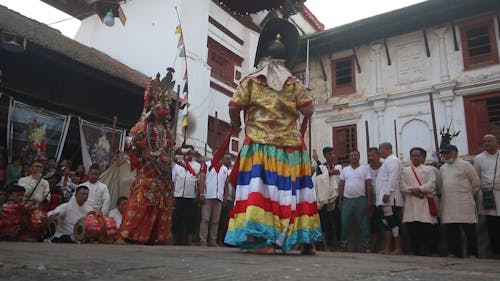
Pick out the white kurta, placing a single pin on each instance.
(415, 208)
(460, 183)
(117, 216)
(41, 191)
(185, 182)
(387, 182)
(67, 215)
(215, 181)
(98, 196)
(326, 187)
(484, 163)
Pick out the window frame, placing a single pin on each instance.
(481, 60)
(344, 89)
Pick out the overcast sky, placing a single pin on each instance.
(330, 13)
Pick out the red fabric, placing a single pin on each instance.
(430, 199)
(55, 200)
(217, 159)
(148, 213)
(188, 167)
(284, 211)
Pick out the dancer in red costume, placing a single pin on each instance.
(148, 213)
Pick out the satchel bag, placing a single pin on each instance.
(488, 194)
(430, 199)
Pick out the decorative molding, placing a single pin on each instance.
(343, 118)
(477, 87)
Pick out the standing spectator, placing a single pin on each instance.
(37, 188)
(389, 198)
(68, 214)
(486, 165)
(418, 183)
(325, 180)
(117, 212)
(226, 210)
(13, 172)
(213, 195)
(374, 165)
(355, 196)
(458, 208)
(185, 177)
(98, 198)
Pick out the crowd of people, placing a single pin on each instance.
(201, 194)
(409, 201)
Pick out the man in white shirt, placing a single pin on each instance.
(98, 198)
(325, 181)
(389, 198)
(117, 212)
(185, 177)
(37, 188)
(355, 192)
(68, 214)
(213, 194)
(488, 170)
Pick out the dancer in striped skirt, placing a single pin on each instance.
(275, 201)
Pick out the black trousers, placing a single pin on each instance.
(327, 220)
(422, 233)
(455, 239)
(184, 215)
(493, 225)
(62, 239)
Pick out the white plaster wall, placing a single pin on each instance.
(404, 93)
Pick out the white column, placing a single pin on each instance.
(380, 124)
(443, 57)
(377, 48)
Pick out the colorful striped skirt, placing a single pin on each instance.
(275, 201)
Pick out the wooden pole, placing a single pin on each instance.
(176, 112)
(367, 134)
(434, 127)
(396, 138)
(309, 134)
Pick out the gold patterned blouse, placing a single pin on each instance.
(271, 116)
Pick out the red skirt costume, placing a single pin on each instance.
(148, 214)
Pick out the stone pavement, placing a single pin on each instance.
(39, 261)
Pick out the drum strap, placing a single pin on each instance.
(32, 192)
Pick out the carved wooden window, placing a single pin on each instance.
(479, 44)
(482, 116)
(345, 140)
(343, 77)
(217, 130)
(224, 63)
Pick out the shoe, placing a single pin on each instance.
(452, 256)
(471, 257)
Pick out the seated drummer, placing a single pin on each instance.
(66, 215)
(11, 212)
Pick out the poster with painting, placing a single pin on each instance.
(34, 133)
(100, 143)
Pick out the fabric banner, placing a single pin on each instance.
(99, 143)
(34, 132)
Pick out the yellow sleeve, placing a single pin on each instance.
(302, 96)
(242, 95)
